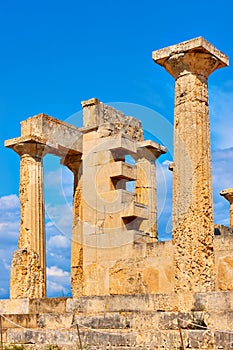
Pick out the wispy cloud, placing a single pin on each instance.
(58, 282)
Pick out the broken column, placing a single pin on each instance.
(190, 63)
(145, 187)
(228, 195)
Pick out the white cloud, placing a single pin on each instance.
(56, 272)
(58, 282)
(58, 241)
(9, 202)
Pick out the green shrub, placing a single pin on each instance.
(13, 347)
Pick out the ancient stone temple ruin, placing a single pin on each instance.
(128, 289)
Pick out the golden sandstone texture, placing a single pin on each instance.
(117, 263)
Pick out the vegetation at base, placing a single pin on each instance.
(13, 347)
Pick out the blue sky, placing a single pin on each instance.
(55, 54)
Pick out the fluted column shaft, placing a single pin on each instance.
(31, 256)
(193, 225)
(190, 63)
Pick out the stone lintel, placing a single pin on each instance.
(198, 44)
(227, 194)
(17, 141)
(120, 144)
(51, 147)
(150, 149)
(40, 123)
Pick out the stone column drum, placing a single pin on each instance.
(228, 195)
(190, 63)
(28, 273)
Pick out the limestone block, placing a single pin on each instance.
(57, 134)
(23, 320)
(112, 202)
(122, 170)
(109, 120)
(137, 277)
(91, 112)
(121, 145)
(55, 321)
(96, 279)
(86, 304)
(214, 301)
(14, 306)
(112, 238)
(135, 209)
(225, 273)
(27, 275)
(47, 305)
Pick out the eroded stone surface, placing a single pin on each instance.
(115, 248)
(190, 63)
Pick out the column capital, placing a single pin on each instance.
(195, 56)
(149, 149)
(72, 162)
(33, 149)
(227, 194)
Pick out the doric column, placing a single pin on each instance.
(145, 187)
(74, 163)
(190, 63)
(228, 195)
(28, 274)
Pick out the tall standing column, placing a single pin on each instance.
(145, 187)
(74, 163)
(28, 274)
(190, 63)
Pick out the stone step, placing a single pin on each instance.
(212, 301)
(153, 339)
(138, 321)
